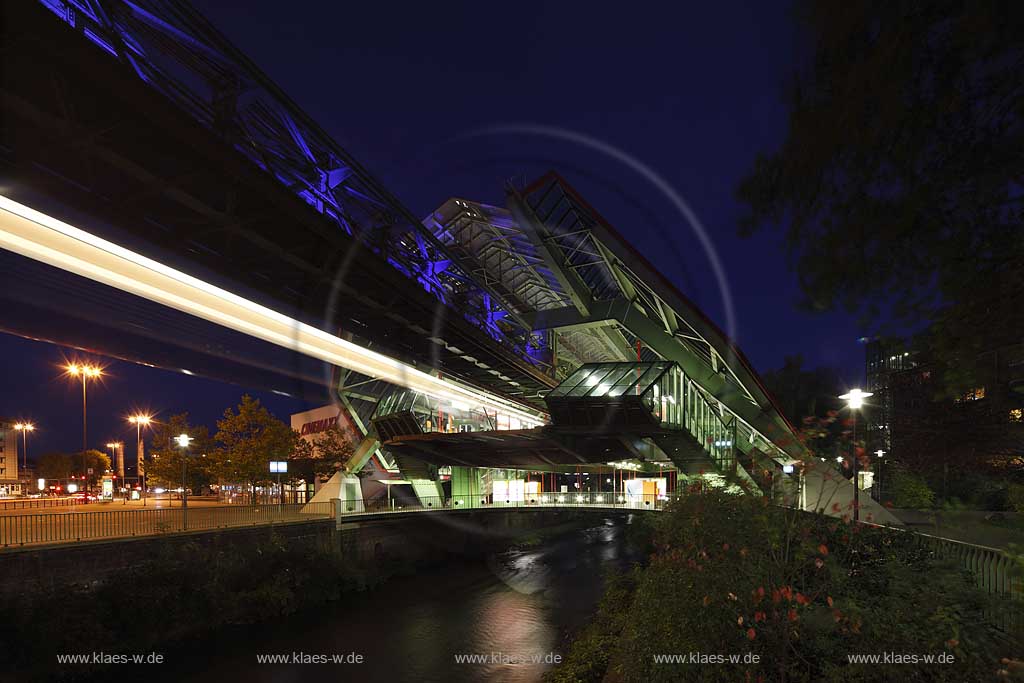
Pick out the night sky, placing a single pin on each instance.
(437, 100)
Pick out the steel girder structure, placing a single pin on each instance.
(572, 276)
(492, 246)
(626, 289)
(564, 273)
(173, 49)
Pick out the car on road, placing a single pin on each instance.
(85, 496)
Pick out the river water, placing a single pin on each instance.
(511, 609)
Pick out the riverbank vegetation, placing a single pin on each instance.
(182, 592)
(733, 575)
(191, 591)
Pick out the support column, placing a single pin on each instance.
(466, 486)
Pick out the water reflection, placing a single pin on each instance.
(512, 609)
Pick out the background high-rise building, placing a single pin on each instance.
(10, 484)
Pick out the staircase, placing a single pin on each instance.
(685, 453)
(404, 423)
(415, 469)
(693, 460)
(749, 464)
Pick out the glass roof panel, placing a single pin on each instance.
(650, 377)
(615, 373)
(594, 380)
(572, 380)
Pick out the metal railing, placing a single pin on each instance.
(995, 571)
(708, 426)
(992, 567)
(36, 503)
(587, 499)
(41, 528)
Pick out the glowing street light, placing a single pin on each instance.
(140, 421)
(86, 372)
(24, 428)
(75, 370)
(855, 400)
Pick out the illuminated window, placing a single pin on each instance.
(1016, 415)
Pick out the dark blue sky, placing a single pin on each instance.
(691, 92)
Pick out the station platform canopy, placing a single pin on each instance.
(607, 395)
(602, 412)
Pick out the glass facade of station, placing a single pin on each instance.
(449, 417)
(665, 392)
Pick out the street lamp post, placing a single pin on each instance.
(881, 454)
(24, 428)
(277, 467)
(86, 372)
(855, 399)
(183, 441)
(140, 457)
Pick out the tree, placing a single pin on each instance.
(94, 460)
(809, 398)
(910, 490)
(900, 179)
(1015, 497)
(804, 393)
(164, 466)
(247, 440)
(54, 466)
(330, 450)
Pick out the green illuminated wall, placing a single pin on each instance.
(465, 482)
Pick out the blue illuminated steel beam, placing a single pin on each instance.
(171, 47)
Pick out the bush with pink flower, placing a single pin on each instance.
(736, 576)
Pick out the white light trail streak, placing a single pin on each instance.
(38, 236)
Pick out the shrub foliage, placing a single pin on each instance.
(734, 575)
